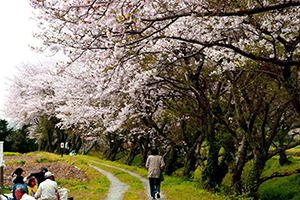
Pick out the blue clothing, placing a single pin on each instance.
(15, 187)
(154, 186)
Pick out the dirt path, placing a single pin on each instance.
(145, 181)
(117, 188)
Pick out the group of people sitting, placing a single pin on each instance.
(25, 188)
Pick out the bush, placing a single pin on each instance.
(42, 160)
(21, 162)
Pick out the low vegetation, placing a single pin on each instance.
(173, 187)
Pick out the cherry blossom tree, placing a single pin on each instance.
(130, 60)
(31, 102)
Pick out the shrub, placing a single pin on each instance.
(21, 162)
(42, 160)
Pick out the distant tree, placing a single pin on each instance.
(5, 131)
(20, 142)
(16, 140)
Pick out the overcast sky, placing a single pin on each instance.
(15, 35)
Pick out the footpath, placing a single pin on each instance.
(118, 188)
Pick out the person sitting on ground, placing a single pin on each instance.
(21, 193)
(38, 175)
(32, 188)
(73, 153)
(48, 189)
(17, 172)
(18, 181)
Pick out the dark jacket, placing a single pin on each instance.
(39, 176)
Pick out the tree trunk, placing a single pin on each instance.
(143, 146)
(191, 159)
(76, 143)
(283, 160)
(171, 160)
(210, 172)
(190, 163)
(114, 145)
(240, 161)
(89, 148)
(255, 174)
(134, 150)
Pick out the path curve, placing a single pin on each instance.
(117, 188)
(145, 181)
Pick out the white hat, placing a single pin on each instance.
(48, 174)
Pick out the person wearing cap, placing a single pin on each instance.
(38, 175)
(21, 193)
(18, 181)
(48, 189)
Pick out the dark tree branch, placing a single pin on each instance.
(229, 13)
(277, 174)
(250, 55)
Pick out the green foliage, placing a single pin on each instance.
(42, 160)
(197, 175)
(282, 188)
(137, 160)
(11, 154)
(5, 131)
(119, 173)
(181, 187)
(173, 187)
(211, 177)
(136, 186)
(276, 191)
(21, 162)
(16, 140)
(9, 163)
(6, 190)
(79, 187)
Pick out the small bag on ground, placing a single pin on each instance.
(63, 193)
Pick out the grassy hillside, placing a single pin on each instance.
(174, 187)
(284, 187)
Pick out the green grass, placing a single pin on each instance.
(136, 190)
(171, 187)
(21, 162)
(12, 154)
(42, 160)
(96, 188)
(181, 188)
(281, 188)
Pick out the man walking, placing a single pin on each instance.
(48, 189)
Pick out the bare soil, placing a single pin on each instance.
(60, 170)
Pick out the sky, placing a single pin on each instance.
(16, 30)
